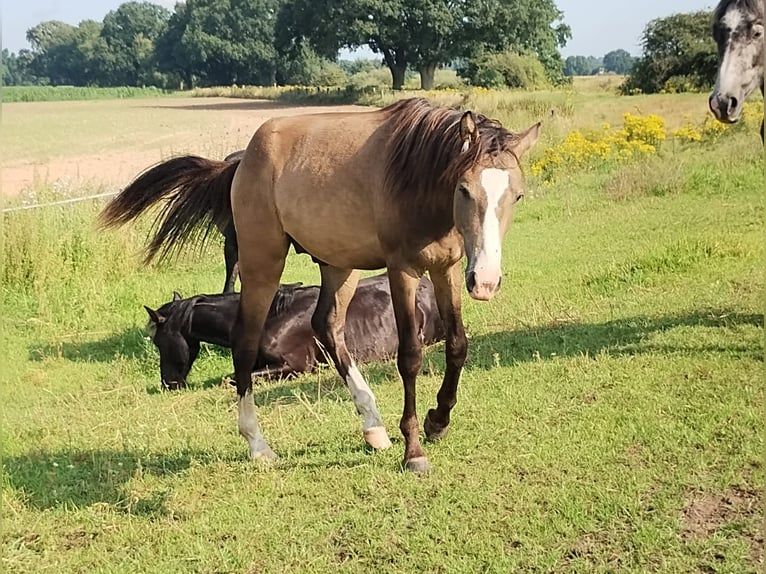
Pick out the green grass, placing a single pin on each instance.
(69, 93)
(614, 380)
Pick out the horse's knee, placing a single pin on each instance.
(320, 324)
(456, 350)
(409, 359)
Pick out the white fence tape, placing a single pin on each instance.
(62, 202)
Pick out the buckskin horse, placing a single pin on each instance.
(738, 32)
(411, 187)
(288, 346)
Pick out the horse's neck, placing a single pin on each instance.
(212, 323)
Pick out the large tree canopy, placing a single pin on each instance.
(222, 41)
(425, 33)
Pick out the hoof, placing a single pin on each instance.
(377, 438)
(265, 454)
(418, 465)
(432, 430)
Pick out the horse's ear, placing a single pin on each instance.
(154, 317)
(176, 296)
(527, 139)
(468, 130)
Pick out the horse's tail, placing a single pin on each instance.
(198, 197)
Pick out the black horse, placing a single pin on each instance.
(288, 345)
(230, 240)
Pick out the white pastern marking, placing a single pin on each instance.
(248, 426)
(495, 183)
(363, 398)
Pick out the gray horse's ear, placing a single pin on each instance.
(176, 296)
(469, 133)
(154, 317)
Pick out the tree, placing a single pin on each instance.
(677, 49)
(304, 67)
(130, 33)
(17, 68)
(221, 41)
(618, 61)
(52, 43)
(425, 33)
(524, 26)
(581, 66)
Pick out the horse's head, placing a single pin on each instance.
(738, 31)
(176, 353)
(487, 192)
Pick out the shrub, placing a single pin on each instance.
(639, 137)
(505, 69)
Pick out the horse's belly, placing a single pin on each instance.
(337, 232)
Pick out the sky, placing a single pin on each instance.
(598, 26)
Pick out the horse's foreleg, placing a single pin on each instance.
(409, 359)
(329, 322)
(447, 286)
(260, 279)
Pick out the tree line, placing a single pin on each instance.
(491, 43)
(267, 42)
(615, 62)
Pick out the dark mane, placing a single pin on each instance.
(178, 314)
(754, 7)
(283, 299)
(424, 152)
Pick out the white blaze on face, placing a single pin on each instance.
(487, 267)
(729, 73)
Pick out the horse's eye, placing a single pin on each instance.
(464, 191)
(518, 197)
(757, 31)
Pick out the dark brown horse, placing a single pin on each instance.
(410, 187)
(288, 345)
(230, 239)
(738, 31)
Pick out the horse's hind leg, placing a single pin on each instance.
(328, 322)
(230, 257)
(260, 270)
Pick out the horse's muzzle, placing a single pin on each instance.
(726, 108)
(173, 385)
(481, 290)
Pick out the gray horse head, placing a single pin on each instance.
(738, 31)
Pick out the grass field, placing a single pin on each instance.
(70, 93)
(610, 417)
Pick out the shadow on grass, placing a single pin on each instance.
(83, 478)
(625, 336)
(129, 343)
